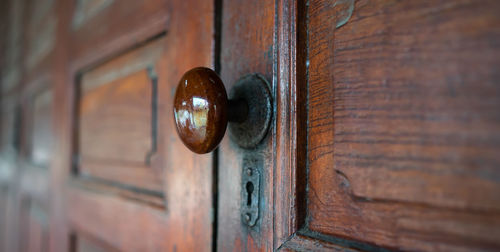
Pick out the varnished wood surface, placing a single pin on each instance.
(290, 177)
(12, 20)
(112, 25)
(3, 215)
(109, 31)
(399, 152)
(35, 233)
(26, 151)
(41, 127)
(246, 47)
(115, 119)
(185, 216)
(4, 29)
(303, 243)
(59, 239)
(404, 129)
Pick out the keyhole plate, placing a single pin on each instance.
(250, 191)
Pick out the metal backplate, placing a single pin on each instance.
(254, 89)
(250, 190)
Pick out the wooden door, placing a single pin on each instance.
(386, 128)
(384, 136)
(90, 161)
(403, 129)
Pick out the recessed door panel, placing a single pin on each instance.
(82, 243)
(117, 119)
(403, 124)
(41, 129)
(34, 227)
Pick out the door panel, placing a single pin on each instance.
(384, 136)
(41, 129)
(81, 243)
(11, 56)
(403, 126)
(41, 24)
(35, 231)
(133, 177)
(117, 119)
(105, 26)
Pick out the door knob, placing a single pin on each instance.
(202, 110)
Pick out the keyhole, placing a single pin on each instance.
(249, 193)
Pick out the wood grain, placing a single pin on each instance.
(113, 26)
(403, 124)
(303, 243)
(29, 126)
(3, 216)
(83, 243)
(185, 223)
(290, 178)
(41, 139)
(12, 61)
(39, 32)
(385, 136)
(115, 119)
(246, 47)
(62, 109)
(37, 232)
(95, 213)
(5, 14)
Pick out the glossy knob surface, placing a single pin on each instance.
(201, 109)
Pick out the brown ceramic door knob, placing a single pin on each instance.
(202, 110)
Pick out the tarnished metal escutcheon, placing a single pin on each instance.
(254, 89)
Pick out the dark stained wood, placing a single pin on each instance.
(41, 128)
(59, 239)
(28, 137)
(201, 109)
(5, 21)
(31, 204)
(82, 243)
(188, 177)
(40, 24)
(110, 25)
(95, 213)
(11, 58)
(86, 11)
(3, 216)
(385, 133)
(246, 47)
(404, 126)
(284, 149)
(10, 117)
(290, 176)
(304, 243)
(183, 223)
(52, 60)
(116, 139)
(35, 238)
